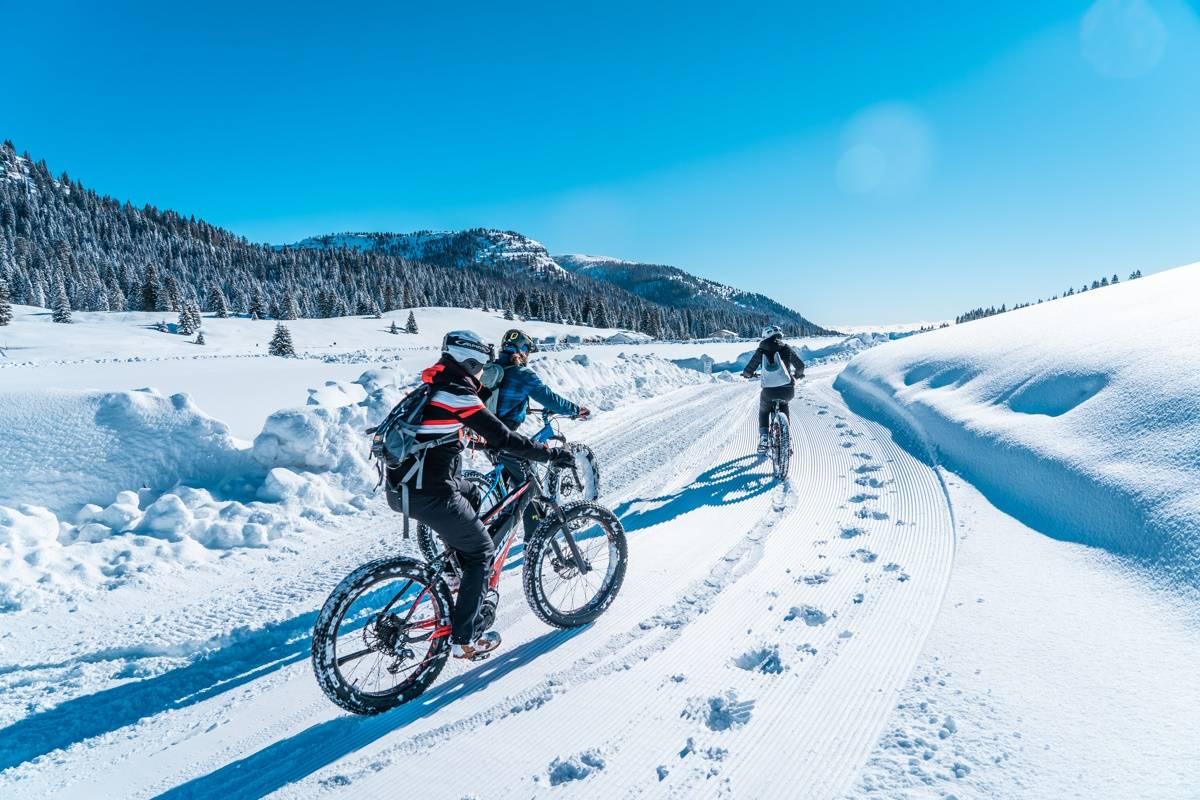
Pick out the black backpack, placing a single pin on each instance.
(395, 439)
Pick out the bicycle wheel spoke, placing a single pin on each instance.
(352, 656)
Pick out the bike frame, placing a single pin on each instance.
(501, 522)
(545, 434)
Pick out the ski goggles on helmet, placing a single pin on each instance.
(518, 342)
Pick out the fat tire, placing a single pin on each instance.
(584, 453)
(781, 444)
(540, 539)
(339, 601)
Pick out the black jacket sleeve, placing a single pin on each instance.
(499, 437)
(752, 366)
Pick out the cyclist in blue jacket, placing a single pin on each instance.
(519, 384)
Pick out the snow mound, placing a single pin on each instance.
(1080, 417)
(96, 488)
(603, 386)
(63, 449)
(842, 350)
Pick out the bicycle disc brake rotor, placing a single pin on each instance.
(382, 635)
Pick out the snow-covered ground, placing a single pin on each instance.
(1079, 417)
(876, 627)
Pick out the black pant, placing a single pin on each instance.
(516, 471)
(767, 398)
(453, 516)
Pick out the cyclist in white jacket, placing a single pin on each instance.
(780, 369)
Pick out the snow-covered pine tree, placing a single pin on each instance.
(393, 329)
(258, 304)
(289, 309)
(6, 313)
(200, 337)
(62, 304)
(281, 342)
(169, 298)
(508, 315)
(411, 325)
(192, 309)
(217, 302)
(184, 328)
(150, 289)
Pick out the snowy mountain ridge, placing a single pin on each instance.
(509, 250)
(661, 283)
(485, 246)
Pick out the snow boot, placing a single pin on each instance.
(762, 444)
(479, 649)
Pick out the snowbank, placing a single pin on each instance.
(1081, 416)
(841, 350)
(96, 487)
(63, 449)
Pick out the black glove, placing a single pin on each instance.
(561, 457)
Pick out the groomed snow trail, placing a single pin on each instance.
(755, 650)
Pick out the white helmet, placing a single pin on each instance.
(467, 348)
(772, 330)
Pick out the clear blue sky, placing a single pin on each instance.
(861, 162)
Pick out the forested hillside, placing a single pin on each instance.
(64, 245)
(673, 286)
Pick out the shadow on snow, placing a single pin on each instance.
(317, 747)
(281, 644)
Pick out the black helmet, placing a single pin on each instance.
(516, 341)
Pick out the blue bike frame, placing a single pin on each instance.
(496, 476)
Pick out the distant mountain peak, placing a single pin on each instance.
(484, 246)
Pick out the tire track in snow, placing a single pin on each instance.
(648, 638)
(811, 725)
(674, 434)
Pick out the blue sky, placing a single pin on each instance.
(863, 162)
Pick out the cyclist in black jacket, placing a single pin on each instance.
(448, 503)
(781, 367)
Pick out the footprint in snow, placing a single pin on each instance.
(822, 413)
(851, 531)
(575, 768)
(760, 659)
(870, 513)
(894, 567)
(864, 456)
(847, 444)
(864, 555)
(816, 578)
(841, 425)
(867, 468)
(863, 497)
(811, 615)
(720, 713)
(873, 483)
